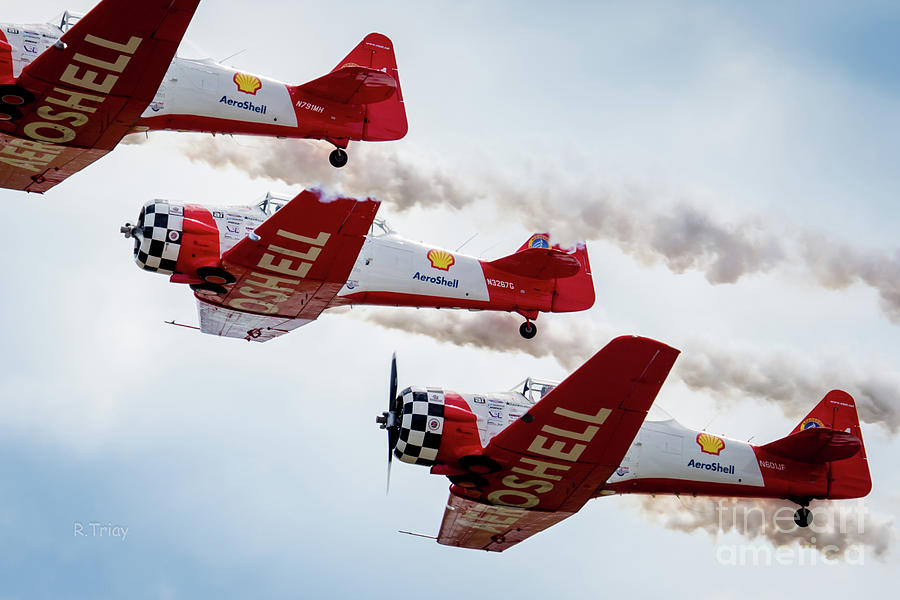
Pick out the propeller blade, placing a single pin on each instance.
(393, 388)
(387, 488)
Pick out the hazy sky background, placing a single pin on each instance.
(246, 469)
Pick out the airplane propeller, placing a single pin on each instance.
(390, 419)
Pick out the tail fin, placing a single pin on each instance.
(385, 120)
(830, 434)
(575, 293)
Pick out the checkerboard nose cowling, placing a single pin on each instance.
(421, 426)
(158, 241)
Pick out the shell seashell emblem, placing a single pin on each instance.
(441, 259)
(246, 83)
(709, 443)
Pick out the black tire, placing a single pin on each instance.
(468, 480)
(208, 289)
(9, 113)
(528, 330)
(802, 517)
(338, 158)
(14, 95)
(476, 463)
(215, 275)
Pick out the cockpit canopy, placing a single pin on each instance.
(534, 389)
(272, 203)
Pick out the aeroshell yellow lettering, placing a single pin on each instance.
(497, 497)
(556, 449)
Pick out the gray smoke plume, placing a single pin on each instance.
(730, 376)
(836, 529)
(681, 236)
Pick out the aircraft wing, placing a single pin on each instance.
(555, 457)
(296, 262)
(90, 89)
(227, 322)
(470, 524)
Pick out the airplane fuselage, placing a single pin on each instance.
(667, 458)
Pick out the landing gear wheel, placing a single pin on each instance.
(13, 95)
(9, 113)
(208, 289)
(803, 517)
(528, 330)
(476, 463)
(338, 158)
(215, 275)
(468, 480)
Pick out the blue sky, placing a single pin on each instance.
(257, 469)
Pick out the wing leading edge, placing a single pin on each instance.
(555, 457)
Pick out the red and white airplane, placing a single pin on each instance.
(260, 271)
(70, 92)
(523, 460)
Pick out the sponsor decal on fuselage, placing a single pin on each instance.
(439, 280)
(244, 105)
(539, 240)
(246, 83)
(713, 466)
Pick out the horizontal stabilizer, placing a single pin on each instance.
(352, 85)
(539, 263)
(817, 445)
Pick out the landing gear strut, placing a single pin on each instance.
(528, 330)
(338, 158)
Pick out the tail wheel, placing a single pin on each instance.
(468, 480)
(528, 330)
(476, 463)
(215, 275)
(338, 158)
(14, 95)
(9, 113)
(803, 517)
(208, 290)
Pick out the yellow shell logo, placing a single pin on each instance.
(441, 259)
(247, 83)
(709, 443)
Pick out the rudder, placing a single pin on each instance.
(848, 478)
(385, 120)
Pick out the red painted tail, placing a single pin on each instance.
(575, 293)
(848, 477)
(385, 120)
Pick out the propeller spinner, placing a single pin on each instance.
(390, 419)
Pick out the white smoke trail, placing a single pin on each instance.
(792, 385)
(837, 525)
(683, 237)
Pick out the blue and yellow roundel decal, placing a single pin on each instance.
(539, 240)
(811, 423)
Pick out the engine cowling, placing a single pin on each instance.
(437, 427)
(421, 426)
(158, 236)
